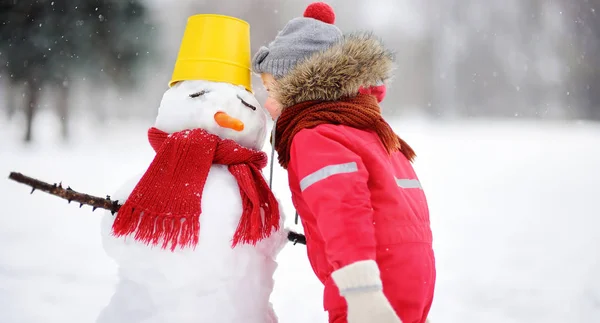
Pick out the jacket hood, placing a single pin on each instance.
(356, 60)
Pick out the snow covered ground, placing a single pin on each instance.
(515, 213)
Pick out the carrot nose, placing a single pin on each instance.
(226, 121)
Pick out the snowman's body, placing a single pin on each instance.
(212, 282)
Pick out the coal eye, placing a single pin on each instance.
(247, 104)
(197, 94)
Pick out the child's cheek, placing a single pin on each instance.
(273, 107)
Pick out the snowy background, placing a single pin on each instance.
(514, 210)
(500, 100)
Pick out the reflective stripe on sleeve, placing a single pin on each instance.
(327, 171)
(408, 183)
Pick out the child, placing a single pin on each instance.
(363, 210)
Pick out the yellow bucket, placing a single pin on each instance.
(214, 48)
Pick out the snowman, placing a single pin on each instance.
(199, 230)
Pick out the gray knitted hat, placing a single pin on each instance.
(299, 39)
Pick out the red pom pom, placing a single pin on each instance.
(320, 11)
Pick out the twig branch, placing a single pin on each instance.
(67, 193)
(296, 237)
(95, 202)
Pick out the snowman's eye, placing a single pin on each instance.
(247, 104)
(198, 94)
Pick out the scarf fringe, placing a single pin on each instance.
(153, 228)
(255, 227)
(258, 221)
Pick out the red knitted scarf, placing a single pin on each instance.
(361, 112)
(165, 204)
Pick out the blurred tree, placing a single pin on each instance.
(9, 89)
(501, 59)
(4, 75)
(46, 43)
(585, 61)
(24, 43)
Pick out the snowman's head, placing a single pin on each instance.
(222, 109)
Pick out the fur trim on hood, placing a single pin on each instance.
(356, 60)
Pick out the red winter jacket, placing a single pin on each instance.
(356, 203)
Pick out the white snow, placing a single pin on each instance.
(179, 111)
(514, 206)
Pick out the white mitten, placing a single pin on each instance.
(361, 286)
